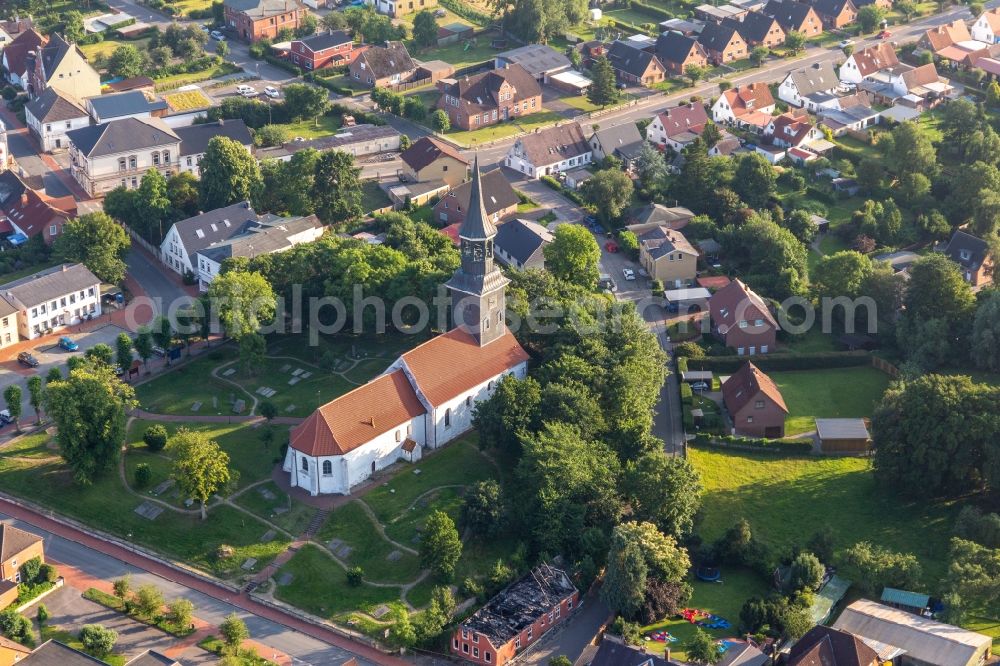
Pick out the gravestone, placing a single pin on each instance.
(266, 493)
(380, 612)
(268, 536)
(293, 381)
(149, 510)
(290, 408)
(163, 487)
(229, 372)
(306, 375)
(239, 406)
(297, 371)
(278, 510)
(285, 579)
(286, 367)
(394, 556)
(250, 563)
(196, 406)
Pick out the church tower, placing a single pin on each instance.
(477, 287)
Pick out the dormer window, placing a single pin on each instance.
(965, 255)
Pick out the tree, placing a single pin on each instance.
(877, 567)
(253, 348)
(337, 188)
(16, 627)
(806, 572)
(122, 587)
(152, 204)
(425, 29)
(758, 55)
(229, 173)
(123, 351)
(795, 41)
(180, 612)
(610, 192)
(334, 21)
(440, 545)
(12, 396)
(702, 649)
(870, 17)
(89, 408)
(155, 437)
(651, 168)
(665, 491)
(985, 339)
(907, 8)
(36, 394)
(755, 181)
(304, 101)
(483, 510)
(100, 353)
(799, 222)
(201, 467)
(98, 243)
(624, 587)
(939, 309)
(973, 575)
(144, 344)
(222, 48)
(98, 640)
(440, 121)
(42, 615)
(696, 73)
(73, 30)
(701, 177)
(307, 26)
(769, 257)
(603, 89)
(126, 61)
(148, 601)
(841, 274)
(234, 631)
(560, 660)
(268, 410)
(510, 414)
(142, 475)
(908, 149)
(29, 570)
(269, 135)
(573, 255)
(244, 301)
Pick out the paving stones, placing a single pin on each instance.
(249, 564)
(286, 579)
(394, 556)
(149, 510)
(163, 487)
(268, 536)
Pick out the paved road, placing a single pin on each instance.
(25, 151)
(573, 638)
(151, 277)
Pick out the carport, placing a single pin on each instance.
(684, 301)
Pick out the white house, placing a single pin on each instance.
(811, 87)
(57, 297)
(550, 151)
(678, 126)
(51, 115)
(866, 62)
(748, 106)
(987, 27)
(187, 237)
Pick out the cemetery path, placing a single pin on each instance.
(381, 529)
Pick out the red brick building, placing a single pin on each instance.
(335, 48)
(253, 20)
(31, 213)
(741, 319)
(754, 403)
(491, 97)
(516, 617)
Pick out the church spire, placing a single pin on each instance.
(477, 224)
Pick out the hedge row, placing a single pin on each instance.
(655, 12)
(801, 446)
(682, 364)
(466, 12)
(572, 195)
(282, 64)
(771, 362)
(687, 393)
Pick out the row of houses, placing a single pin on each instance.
(47, 301)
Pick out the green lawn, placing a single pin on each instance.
(104, 48)
(503, 130)
(812, 341)
(312, 128)
(788, 499)
(294, 520)
(366, 369)
(344, 348)
(178, 80)
(724, 599)
(580, 102)
(835, 392)
(26, 271)
(352, 525)
(176, 391)
(184, 7)
(373, 197)
(635, 16)
(298, 399)
(458, 54)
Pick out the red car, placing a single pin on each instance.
(885, 34)
(611, 246)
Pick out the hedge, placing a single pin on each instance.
(687, 394)
(778, 362)
(463, 10)
(682, 364)
(798, 446)
(655, 12)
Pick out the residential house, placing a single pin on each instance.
(910, 639)
(622, 141)
(590, 51)
(152, 658)
(400, 8)
(515, 618)
(26, 213)
(253, 20)
(490, 97)
(16, 547)
(62, 65)
(668, 256)
(383, 66)
(884, 5)
(743, 653)
(718, 13)
(334, 48)
(10, 652)
(521, 243)
(52, 653)
(678, 126)
(754, 402)
(855, 117)
(499, 199)
(987, 27)
(916, 87)
(742, 320)
(635, 66)
(795, 16)
(681, 26)
(831, 647)
(539, 60)
(868, 61)
(194, 141)
(792, 134)
(655, 215)
(748, 106)
(612, 652)
(51, 299)
(8, 327)
(759, 29)
(428, 395)
(940, 37)
(130, 104)
(550, 151)
(358, 140)
(15, 56)
(51, 115)
(810, 87)
(270, 236)
(185, 238)
(104, 156)
(12, 29)
(723, 43)
(429, 159)
(973, 257)
(836, 13)
(677, 52)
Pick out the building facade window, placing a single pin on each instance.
(327, 468)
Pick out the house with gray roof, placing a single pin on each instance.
(54, 298)
(634, 65)
(195, 139)
(521, 243)
(51, 115)
(812, 87)
(539, 60)
(550, 151)
(152, 658)
(622, 141)
(973, 257)
(130, 104)
(187, 237)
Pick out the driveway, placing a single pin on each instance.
(157, 282)
(24, 151)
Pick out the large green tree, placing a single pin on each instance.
(939, 307)
(244, 301)
(12, 397)
(573, 256)
(126, 61)
(985, 340)
(603, 89)
(609, 191)
(640, 553)
(771, 258)
(229, 173)
(303, 100)
(440, 545)
(36, 395)
(201, 467)
(510, 414)
(337, 188)
(425, 29)
(98, 243)
(89, 409)
(755, 180)
(664, 490)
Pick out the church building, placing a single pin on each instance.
(426, 397)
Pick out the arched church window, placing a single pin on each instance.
(327, 468)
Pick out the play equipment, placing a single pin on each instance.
(662, 637)
(708, 574)
(705, 619)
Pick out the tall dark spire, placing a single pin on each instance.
(477, 224)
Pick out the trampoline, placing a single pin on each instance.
(708, 574)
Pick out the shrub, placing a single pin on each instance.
(43, 615)
(778, 362)
(47, 573)
(471, 588)
(355, 576)
(682, 362)
(686, 350)
(142, 475)
(155, 437)
(790, 446)
(98, 640)
(30, 570)
(687, 395)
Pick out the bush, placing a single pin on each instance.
(142, 475)
(355, 576)
(43, 615)
(686, 350)
(155, 437)
(682, 361)
(30, 570)
(687, 395)
(97, 640)
(471, 588)
(791, 446)
(47, 573)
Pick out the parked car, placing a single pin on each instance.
(440, 13)
(611, 246)
(5, 417)
(606, 283)
(845, 43)
(629, 274)
(217, 36)
(885, 34)
(272, 92)
(24, 358)
(66, 342)
(159, 351)
(643, 273)
(245, 90)
(699, 386)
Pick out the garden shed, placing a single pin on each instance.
(843, 435)
(914, 602)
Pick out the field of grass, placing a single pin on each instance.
(311, 128)
(105, 48)
(580, 102)
(458, 55)
(294, 521)
(185, 7)
(812, 341)
(352, 525)
(373, 197)
(187, 100)
(788, 499)
(175, 392)
(26, 271)
(345, 348)
(503, 130)
(299, 399)
(835, 392)
(177, 80)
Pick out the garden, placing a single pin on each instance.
(828, 393)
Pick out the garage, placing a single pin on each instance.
(843, 435)
(686, 301)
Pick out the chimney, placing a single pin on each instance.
(24, 198)
(371, 421)
(64, 267)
